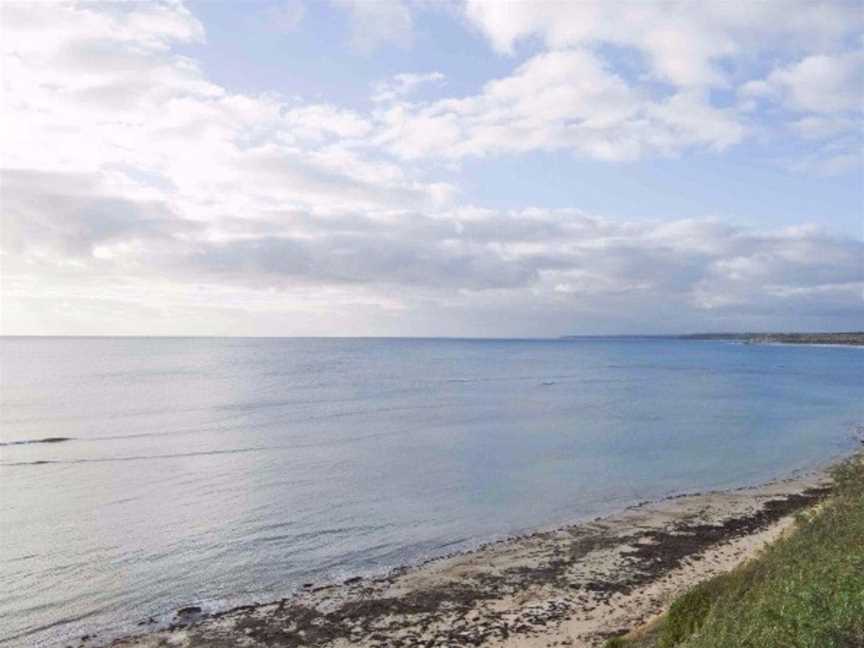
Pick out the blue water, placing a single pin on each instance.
(223, 471)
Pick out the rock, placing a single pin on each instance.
(189, 611)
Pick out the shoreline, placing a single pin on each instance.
(574, 585)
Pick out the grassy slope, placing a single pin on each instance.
(805, 591)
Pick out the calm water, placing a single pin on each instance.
(222, 471)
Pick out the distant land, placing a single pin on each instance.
(855, 337)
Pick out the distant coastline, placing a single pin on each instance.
(850, 338)
(855, 338)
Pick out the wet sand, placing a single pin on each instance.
(573, 586)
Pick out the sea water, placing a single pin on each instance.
(139, 475)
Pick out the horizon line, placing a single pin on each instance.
(563, 336)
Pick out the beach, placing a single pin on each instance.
(574, 586)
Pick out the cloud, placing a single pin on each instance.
(821, 127)
(133, 183)
(685, 45)
(401, 85)
(103, 92)
(822, 97)
(464, 261)
(318, 121)
(377, 23)
(673, 66)
(567, 100)
(284, 17)
(821, 84)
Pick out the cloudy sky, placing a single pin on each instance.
(431, 168)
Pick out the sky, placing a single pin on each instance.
(419, 168)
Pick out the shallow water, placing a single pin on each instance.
(224, 471)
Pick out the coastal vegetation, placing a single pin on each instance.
(806, 590)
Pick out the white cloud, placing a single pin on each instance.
(86, 237)
(100, 93)
(284, 16)
(822, 83)
(823, 98)
(317, 121)
(684, 43)
(828, 162)
(564, 100)
(133, 183)
(377, 22)
(401, 85)
(678, 55)
(822, 127)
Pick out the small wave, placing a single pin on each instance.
(27, 463)
(31, 441)
(178, 455)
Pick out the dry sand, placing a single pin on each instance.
(574, 586)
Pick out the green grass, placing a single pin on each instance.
(804, 591)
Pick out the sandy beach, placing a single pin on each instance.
(573, 586)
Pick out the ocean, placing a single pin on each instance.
(140, 475)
